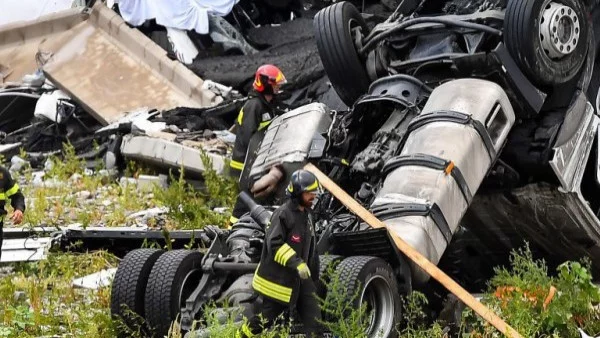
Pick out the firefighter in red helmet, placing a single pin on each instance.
(254, 117)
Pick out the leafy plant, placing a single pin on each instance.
(538, 305)
(340, 316)
(38, 299)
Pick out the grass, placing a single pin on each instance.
(71, 195)
(524, 296)
(38, 298)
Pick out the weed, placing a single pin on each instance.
(189, 208)
(538, 305)
(39, 300)
(70, 164)
(414, 324)
(340, 316)
(222, 190)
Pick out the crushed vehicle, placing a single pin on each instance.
(472, 128)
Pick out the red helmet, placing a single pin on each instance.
(266, 77)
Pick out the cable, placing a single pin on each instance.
(412, 22)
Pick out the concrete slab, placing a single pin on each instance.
(112, 69)
(102, 63)
(168, 154)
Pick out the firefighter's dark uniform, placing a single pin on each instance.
(255, 116)
(289, 242)
(9, 189)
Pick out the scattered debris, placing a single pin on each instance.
(25, 250)
(168, 154)
(96, 280)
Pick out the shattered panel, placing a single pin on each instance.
(111, 69)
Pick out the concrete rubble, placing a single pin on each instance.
(96, 280)
(143, 88)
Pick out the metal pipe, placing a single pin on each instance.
(33, 96)
(14, 89)
(239, 267)
(444, 21)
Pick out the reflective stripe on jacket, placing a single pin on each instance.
(289, 241)
(256, 115)
(9, 189)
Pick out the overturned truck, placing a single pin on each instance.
(473, 128)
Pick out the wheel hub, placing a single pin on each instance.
(559, 30)
(377, 293)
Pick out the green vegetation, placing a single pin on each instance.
(39, 300)
(69, 195)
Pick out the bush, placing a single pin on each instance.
(538, 305)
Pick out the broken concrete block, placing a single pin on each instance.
(162, 135)
(83, 194)
(147, 182)
(145, 126)
(123, 181)
(6, 271)
(48, 165)
(75, 178)
(168, 154)
(149, 213)
(38, 182)
(96, 280)
(17, 163)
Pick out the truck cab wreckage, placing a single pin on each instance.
(471, 130)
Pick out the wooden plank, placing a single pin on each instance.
(415, 256)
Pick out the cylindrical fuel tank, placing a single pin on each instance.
(448, 151)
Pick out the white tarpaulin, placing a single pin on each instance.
(180, 14)
(29, 10)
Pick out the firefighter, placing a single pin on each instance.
(10, 189)
(289, 265)
(254, 117)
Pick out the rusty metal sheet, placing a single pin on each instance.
(112, 69)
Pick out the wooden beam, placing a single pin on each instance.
(414, 255)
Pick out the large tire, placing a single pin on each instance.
(523, 38)
(325, 262)
(337, 50)
(374, 281)
(173, 278)
(129, 284)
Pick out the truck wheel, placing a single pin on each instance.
(173, 278)
(336, 28)
(129, 285)
(325, 262)
(547, 38)
(373, 280)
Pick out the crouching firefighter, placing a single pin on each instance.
(289, 265)
(10, 189)
(254, 117)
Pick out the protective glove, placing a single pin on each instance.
(303, 271)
